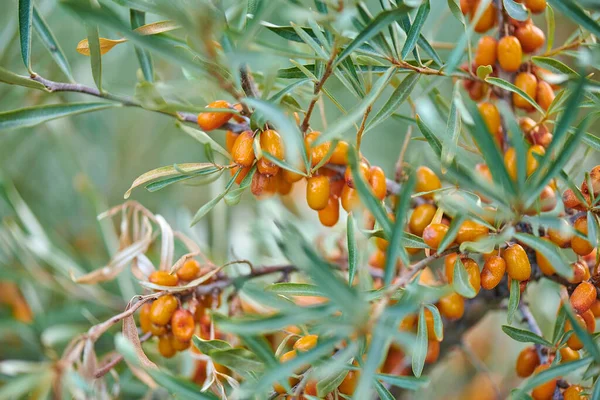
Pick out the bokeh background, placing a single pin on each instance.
(69, 170)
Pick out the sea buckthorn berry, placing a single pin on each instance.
(162, 309)
(330, 215)
(430, 325)
(317, 192)
(574, 392)
(509, 53)
(471, 231)
(165, 346)
(349, 383)
(590, 321)
(546, 202)
(517, 263)
(544, 391)
(290, 355)
(182, 325)
(189, 270)
(491, 116)
(581, 246)
(208, 121)
(531, 37)
(283, 186)
(433, 234)
(477, 90)
(536, 6)
(583, 297)
(262, 185)
(472, 269)
(363, 167)
(527, 361)
(145, 322)
(239, 108)
(449, 262)
(158, 330)
(562, 235)
(544, 95)
(532, 162)
(581, 272)
(527, 82)
(466, 6)
(571, 201)
(486, 51)
(377, 259)
(452, 306)
(433, 351)
(317, 153)
(595, 308)
(595, 178)
(179, 345)
(270, 142)
(427, 181)
(377, 182)
(311, 388)
(350, 198)
(510, 162)
(163, 278)
(487, 19)
(493, 271)
(574, 342)
(291, 177)
(306, 343)
(421, 217)
(542, 262)
(340, 153)
(230, 138)
(243, 172)
(243, 150)
(567, 354)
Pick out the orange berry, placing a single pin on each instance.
(581, 272)
(595, 308)
(590, 321)
(330, 215)
(527, 361)
(536, 6)
(527, 82)
(238, 118)
(145, 322)
(487, 19)
(544, 95)
(486, 51)
(562, 235)
(430, 325)
(290, 355)
(349, 383)
(473, 271)
(377, 182)
(581, 246)
(574, 342)
(377, 259)
(163, 278)
(162, 309)
(208, 121)
(433, 351)
(243, 150)
(263, 185)
(532, 162)
(291, 177)
(531, 37)
(317, 192)
(477, 90)
(517, 263)
(493, 271)
(449, 262)
(270, 142)
(545, 265)
(433, 234)
(158, 330)
(452, 306)
(165, 346)
(283, 186)
(491, 116)
(244, 171)
(350, 198)
(583, 297)
(567, 354)
(421, 217)
(306, 343)
(510, 162)
(189, 270)
(466, 6)
(544, 391)
(230, 138)
(427, 181)
(509, 53)
(179, 345)
(363, 167)
(340, 153)
(182, 325)
(471, 231)
(316, 153)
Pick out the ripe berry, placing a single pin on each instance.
(330, 215)
(364, 169)
(316, 153)
(430, 325)
(317, 192)
(567, 354)
(581, 246)
(263, 185)
(486, 51)
(517, 263)
(270, 142)
(182, 325)
(531, 37)
(532, 162)
(433, 234)
(208, 121)
(510, 162)
(349, 383)
(433, 351)
(449, 262)
(536, 6)
(544, 391)
(162, 309)
(165, 346)
(562, 235)
(291, 177)
(350, 198)
(527, 82)
(163, 278)
(581, 272)
(466, 6)
(474, 275)
(243, 172)
(158, 330)
(491, 116)
(427, 181)
(527, 361)
(595, 308)
(421, 217)
(470, 231)
(230, 138)
(290, 355)
(340, 153)
(544, 95)
(493, 271)
(583, 297)
(283, 186)
(377, 259)
(243, 152)
(452, 306)
(306, 343)
(145, 322)
(509, 53)
(542, 262)
(189, 270)
(377, 182)
(574, 342)
(179, 345)
(487, 19)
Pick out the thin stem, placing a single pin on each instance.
(317, 90)
(361, 129)
(105, 369)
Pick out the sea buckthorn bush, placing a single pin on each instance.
(393, 199)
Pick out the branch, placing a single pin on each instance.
(317, 90)
(105, 369)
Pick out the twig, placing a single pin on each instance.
(318, 87)
(247, 82)
(105, 369)
(359, 134)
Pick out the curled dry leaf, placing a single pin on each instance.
(182, 288)
(167, 247)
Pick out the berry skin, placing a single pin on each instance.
(165, 346)
(421, 217)
(583, 297)
(162, 309)
(306, 343)
(486, 51)
(510, 162)
(158, 330)
(244, 171)
(330, 215)
(517, 263)
(189, 270)
(340, 153)
(544, 95)
(492, 273)
(243, 152)
(377, 182)
(230, 138)
(470, 231)
(433, 351)
(581, 246)
(291, 381)
(491, 116)
(350, 198)
(466, 6)
(283, 186)
(531, 37)
(263, 185)
(561, 236)
(433, 234)
(536, 6)
(208, 121)
(595, 308)
(581, 272)
(509, 53)
(532, 162)
(449, 262)
(317, 192)
(574, 342)
(270, 142)
(377, 259)
(179, 345)
(290, 176)
(182, 325)
(527, 361)
(487, 19)
(427, 181)
(574, 392)
(452, 306)
(545, 265)
(163, 278)
(145, 322)
(316, 153)
(349, 383)
(364, 169)
(567, 354)
(430, 325)
(545, 391)
(474, 275)
(527, 82)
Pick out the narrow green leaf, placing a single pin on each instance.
(19, 80)
(382, 391)
(553, 65)
(352, 249)
(398, 97)
(25, 21)
(186, 169)
(550, 27)
(521, 335)
(513, 300)
(205, 209)
(433, 141)
(419, 351)
(550, 251)
(438, 326)
(515, 10)
(239, 360)
(571, 10)
(95, 55)
(415, 30)
(452, 232)
(288, 89)
(586, 338)
(295, 289)
(404, 382)
(555, 371)
(460, 280)
(501, 83)
(26, 117)
(559, 325)
(450, 145)
(330, 382)
(137, 19)
(50, 42)
(179, 388)
(207, 346)
(282, 164)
